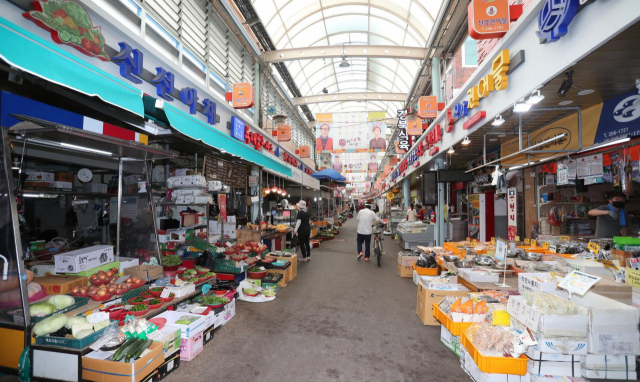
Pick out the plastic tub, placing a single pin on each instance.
(101, 298)
(498, 365)
(456, 328)
(256, 275)
(425, 271)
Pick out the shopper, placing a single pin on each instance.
(303, 230)
(366, 217)
(611, 218)
(411, 214)
(420, 213)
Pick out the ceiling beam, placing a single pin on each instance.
(346, 97)
(383, 51)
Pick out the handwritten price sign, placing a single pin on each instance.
(524, 313)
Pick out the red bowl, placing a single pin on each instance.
(168, 299)
(159, 322)
(216, 306)
(171, 268)
(220, 292)
(252, 295)
(134, 286)
(202, 272)
(256, 275)
(98, 282)
(156, 306)
(135, 303)
(155, 294)
(101, 298)
(140, 313)
(121, 291)
(116, 314)
(181, 270)
(80, 295)
(145, 294)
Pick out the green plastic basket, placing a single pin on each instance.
(227, 266)
(80, 301)
(73, 342)
(128, 295)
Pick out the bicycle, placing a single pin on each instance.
(377, 243)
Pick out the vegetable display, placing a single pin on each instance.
(139, 308)
(268, 293)
(41, 309)
(50, 325)
(171, 261)
(214, 300)
(61, 301)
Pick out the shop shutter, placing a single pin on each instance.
(217, 45)
(193, 26)
(168, 12)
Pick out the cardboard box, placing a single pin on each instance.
(478, 277)
(450, 341)
(255, 282)
(550, 325)
(191, 347)
(536, 355)
(560, 345)
(127, 262)
(614, 343)
(609, 362)
(607, 315)
(426, 299)
(593, 267)
(195, 326)
(552, 378)
(620, 292)
(170, 340)
(62, 185)
(60, 284)
(91, 271)
(208, 334)
(40, 176)
(610, 374)
(285, 276)
(417, 277)
(108, 371)
(407, 261)
(171, 363)
(84, 259)
(43, 269)
(530, 282)
(62, 176)
(145, 272)
(563, 369)
(181, 290)
(227, 314)
(405, 271)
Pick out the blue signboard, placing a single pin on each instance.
(554, 19)
(620, 118)
(237, 128)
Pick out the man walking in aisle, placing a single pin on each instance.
(366, 217)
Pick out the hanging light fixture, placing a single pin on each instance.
(498, 121)
(466, 141)
(451, 150)
(535, 98)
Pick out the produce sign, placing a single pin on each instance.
(69, 24)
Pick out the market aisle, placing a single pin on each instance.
(340, 319)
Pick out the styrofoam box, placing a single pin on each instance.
(614, 343)
(563, 369)
(190, 181)
(470, 367)
(186, 331)
(609, 362)
(191, 347)
(607, 315)
(63, 185)
(553, 378)
(127, 262)
(85, 258)
(593, 267)
(472, 276)
(181, 290)
(559, 346)
(557, 325)
(417, 278)
(40, 176)
(537, 355)
(610, 374)
(528, 282)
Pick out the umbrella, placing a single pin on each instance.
(329, 174)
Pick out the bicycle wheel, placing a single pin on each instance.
(378, 253)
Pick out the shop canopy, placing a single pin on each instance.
(329, 174)
(32, 54)
(209, 135)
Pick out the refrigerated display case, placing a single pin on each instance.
(481, 223)
(288, 217)
(413, 234)
(396, 216)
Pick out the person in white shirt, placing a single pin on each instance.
(366, 217)
(411, 214)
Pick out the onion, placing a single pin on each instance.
(129, 280)
(102, 276)
(125, 286)
(111, 290)
(93, 292)
(137, 280)
(84, 290)
(109, 274)
(93, 277)
(102, 292)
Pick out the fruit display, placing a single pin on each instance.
(282, 227)
(102, 277)
(105, 291)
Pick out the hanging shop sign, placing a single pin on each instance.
(271, 110)
(477, 117)
(69, 24)
(242, 96)
(222, 202)
(304, 151)
(237, 129)
(402, 144)
(428, 107)
(284, 133)
(488, 19)
(231, 174)
(512, 214)
(554, 19)
(414, 125)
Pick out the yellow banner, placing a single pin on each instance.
(568, 125)
(377, 116)
(324, 117)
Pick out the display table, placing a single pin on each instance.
(276, 241)
(292, 271)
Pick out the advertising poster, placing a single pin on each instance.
(512, 214)
(347, 163)
(351, 132)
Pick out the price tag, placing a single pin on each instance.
(633, 277)
(553, 248)
(517, 238)
(228, 244)
(493, 240)
(545, 245)
(609, 264)
(512, 246)
(634, 263)
(564, 238)
(578, 282)
(501, 250)
(165, 293)
(593, 247)
(527, 241)
(533, 243)
(468, 239)
(100, 343)
(524, 313)
(94, 318)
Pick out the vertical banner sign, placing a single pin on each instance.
(243, 96)
(402, 144)
(304, 151)
(488, 19)
(284, 133)
(512, 214)
(222, 202)
(428, 107)
(237, 128)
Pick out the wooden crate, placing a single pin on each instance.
(292, 271)
(245, 235)
(285, 279)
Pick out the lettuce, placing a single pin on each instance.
(61, 301)
(42, 309)
(75, 320)
(50, 325)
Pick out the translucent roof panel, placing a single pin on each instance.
(305, 23)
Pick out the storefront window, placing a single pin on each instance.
(470, 52)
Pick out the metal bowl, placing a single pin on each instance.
(483, 260)
(497, 265)
(515, 253)
(464, 264)
(531, 256)
(451, 258)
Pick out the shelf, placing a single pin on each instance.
(563, 203)
(63, 192)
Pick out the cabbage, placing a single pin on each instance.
(50, 325)
(74, 320)
(76, 328)
(61, 301)
(100, 325)
(41, 309)
(83, 334)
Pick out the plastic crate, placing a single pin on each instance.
(237, 277)
(73, 342)
(132, 293)
(455, 328)
(226, 266)
(80, 301)
(425, 271)
(498, 365)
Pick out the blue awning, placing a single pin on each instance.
(205, 133)
(32, 54)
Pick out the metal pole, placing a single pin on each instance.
(118, 224)
(484, 148)
(256, 85)
(153, 211)
(580, 129)
(520, 132)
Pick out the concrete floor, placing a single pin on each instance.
(340, 319)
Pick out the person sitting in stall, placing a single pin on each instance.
(431, 216)
(611, 218)
(420, 214)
